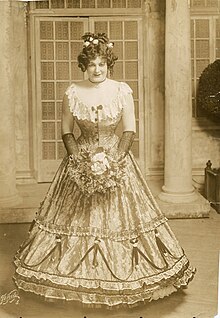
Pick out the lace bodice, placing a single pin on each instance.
(98, 123)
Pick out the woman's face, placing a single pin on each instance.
(97, 70)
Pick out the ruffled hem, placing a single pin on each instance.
(73, 282)
(108, 111)
(103, 298)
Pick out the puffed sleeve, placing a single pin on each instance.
(128, 115)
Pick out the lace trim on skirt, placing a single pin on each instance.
(101, 233)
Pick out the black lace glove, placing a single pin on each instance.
(125, 143)
(70, 144)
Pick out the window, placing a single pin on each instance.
(81, 4)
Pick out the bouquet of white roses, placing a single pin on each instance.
(96, 171)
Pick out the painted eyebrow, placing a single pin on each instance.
(102, 62)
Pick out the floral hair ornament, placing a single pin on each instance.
(86, 43)
(95, 39)
(110, 45)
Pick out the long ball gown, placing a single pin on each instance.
(109, 249)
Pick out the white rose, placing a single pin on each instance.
(100, 156)
(96, 41)
(98, 168)
(100, 163)
(90, 39)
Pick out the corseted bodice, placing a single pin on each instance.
(98, 123)
(100, 133)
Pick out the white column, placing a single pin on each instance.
(178, 106)
(8, 191)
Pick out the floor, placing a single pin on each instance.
(201, 241)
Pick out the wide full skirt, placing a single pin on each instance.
(108, 249)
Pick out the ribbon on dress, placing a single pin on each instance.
(56, 246)
(162, 248)
(136, 251)
(96, 248)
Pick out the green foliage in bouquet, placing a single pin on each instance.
(208, 94)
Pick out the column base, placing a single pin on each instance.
(198, 208)
(172, 197)
(11, 201)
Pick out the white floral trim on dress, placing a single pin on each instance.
(108, 111)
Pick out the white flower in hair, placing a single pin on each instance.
(91, 38)
(96, 41)
(110, 45)
(86, 43)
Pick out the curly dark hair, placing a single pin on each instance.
(96, 45)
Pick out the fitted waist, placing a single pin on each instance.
(106, 140)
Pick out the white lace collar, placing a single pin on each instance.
(106, 111)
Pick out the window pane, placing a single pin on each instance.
(103, 3)
(42, 4)
(55, 4)
(119, 3)
(62, 51)
(116, 31)
(61, 30)
(118, 50)
(47, 51)
(47, 91)
(73, 3)
(46, 30)
(202, 28)
(62, 71)
(101, 27)
(131, 50)
(130, 30)
(47, 70)
(60, 89)
(76, 48)
(48, 110)
(202, 48)
(88, 3)
(76, 30)
(118, 71)
(131, 70)
(48, 131)
(48, 151)
(134, 3)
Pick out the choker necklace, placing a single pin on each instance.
(97, 84)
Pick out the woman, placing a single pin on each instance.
(99, 237)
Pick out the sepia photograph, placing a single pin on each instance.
(110, 159)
